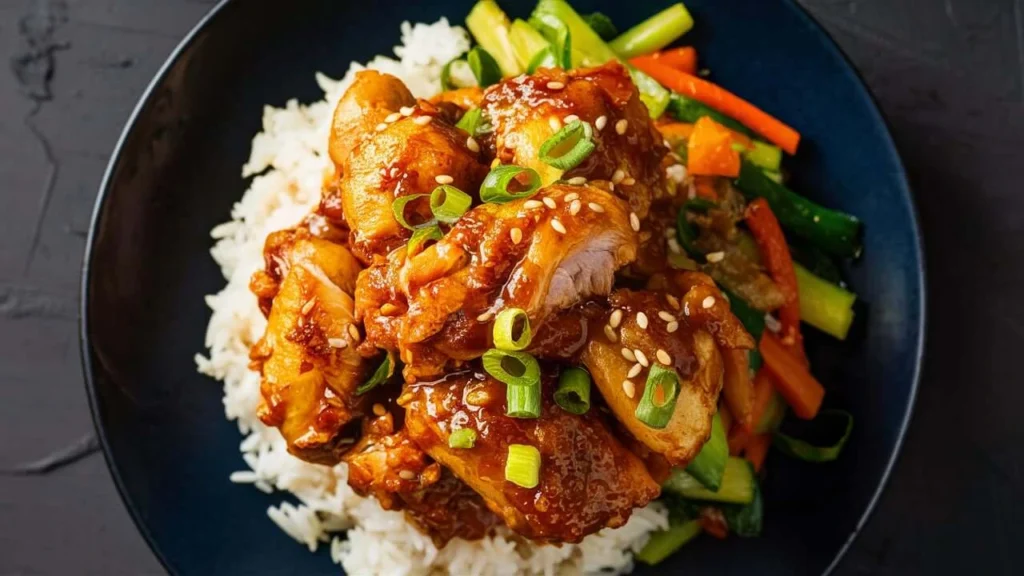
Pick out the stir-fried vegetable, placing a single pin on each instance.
(798, 387)
(558, 35)
(830, 230)
(725, 102)
(737, 484)
(484, 66)
(491, 27)
(471, 121)
(659, 400)
(711, 150)
(683, 58)
(509, 182)
(568, 147)
(380, 375)
(737, 387)
(839, 421)
(522, 466)
(527, 42)
(654, 33)
(687, 109)
(448, 203)
(757, 450)
(512, 330)
(520, 373)
(462, 438)
(709, 465)
(422, 235)
(745, 520)
(602, 25)
(665, 542)
(824, 305)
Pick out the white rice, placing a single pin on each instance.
(288, 164)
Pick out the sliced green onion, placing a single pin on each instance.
(496, 185)
(484, 66)
(448, 203)
(522, 467)
(398, 209)
(808, 452)
(544, 59)
(462, 438)
(602, 25)
(573, 393)
(421, 235)
(568, 147)
(470, 121)
(509, 323)
(654, 33)
(380, 375)
(652, 411)
(664, 543)
(523, 401)
(512, 368)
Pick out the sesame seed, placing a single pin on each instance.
(621, 126)
(708, 302)
(550, 202)
(555, 123)
(715, 256)
(393, 117)
(570, 118)
(575, 207)
(663, 357)
(531, 204)
(557, 226)
(617, 176)
(672, 327)
(673, 246)
(610, 333)
(634, 221)
(388, 309)
(353, 332)
(596, 207)
(611, 186)
(406, 475)
(628, 181)
(556, 85)
(423, 120)
(628, 355)
(667, 317)
(629, 388)
(686, 309)
(634, 371)
(641, 320)
(771, 323)
(382, 127)
(485, 317)
(308, 306)
(495, 163)
(672, 301)
(472, 144)
(406, 110)
(615, 319)
(641, 358)
(337, 343)
(443, 179)
(516, 235)
(601, 122)
(379, 410)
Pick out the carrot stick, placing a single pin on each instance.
(675, 132)
(705, 187)
(683, 59)
(795, 383)
(777, 259)
(757, 449)
(724, 101)
(737, 439)
(737, 387)
(764, 387)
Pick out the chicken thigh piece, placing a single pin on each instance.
(382, 154)
(307, 357)
(686, 334)
(436, 308)
(527, 110)
(587, 481)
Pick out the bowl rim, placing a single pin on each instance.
(85, 346)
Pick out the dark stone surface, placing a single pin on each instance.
(948, 75)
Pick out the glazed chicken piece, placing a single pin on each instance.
(438, 305)
(588, 479)
(686, 333)
(381, 154)
(527, 110)
(389, 466)
(307, 357)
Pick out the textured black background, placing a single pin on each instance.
(949, 75)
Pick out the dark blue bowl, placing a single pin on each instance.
(175, 175)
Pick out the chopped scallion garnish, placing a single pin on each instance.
(569, 146)
(462, 438)
(839, 420)
(422, 234)
(523, 400)
(573, 393)
(522, 467)
(512, 330)
(470, 121)
(659, 400)
(380, 375)
(398, 209)
(520, 373)
(509, 182)
(448, 203)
